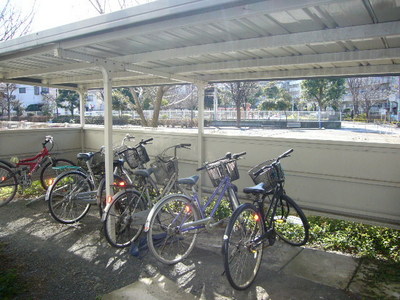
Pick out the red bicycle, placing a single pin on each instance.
(20, 172)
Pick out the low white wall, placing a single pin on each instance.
(351, 180)
(28, 142)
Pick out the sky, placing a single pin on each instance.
(53, 13)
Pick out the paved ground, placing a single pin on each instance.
(75, 262)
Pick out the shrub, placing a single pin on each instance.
(355, 238)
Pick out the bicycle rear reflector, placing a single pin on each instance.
(256, 217)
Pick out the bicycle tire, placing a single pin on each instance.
(166, 241)
(242, 260)
(8, 185)
(290, 223)
(62, 197)
(48, 174)
(121, 226)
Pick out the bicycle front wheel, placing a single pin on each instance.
(125, 218)
(49, 172)
(8, 185)
(290, 223)
(69, 197)
(168, 240)
(242, 255)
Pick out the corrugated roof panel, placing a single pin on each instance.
(386, 10)
(348, 13)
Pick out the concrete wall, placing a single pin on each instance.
(27, 143)
(349, 180)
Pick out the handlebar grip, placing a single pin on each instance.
(202, 168)
(146, 141)
(185, 145)
(285, 154)
(237, 155)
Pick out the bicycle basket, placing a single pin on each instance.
(219, 170)
(97, 163)
(270, 176)
(142, 152)
(132, 158)
(164, 168)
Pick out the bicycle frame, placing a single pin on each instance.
(224, 186)
(34, 162)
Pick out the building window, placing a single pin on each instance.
(89, 98)
(36, 90)
(22, 90)
(45, 90)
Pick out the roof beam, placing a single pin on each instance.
(306, 73)
(299, 60)
(293, 39)
(43, 71)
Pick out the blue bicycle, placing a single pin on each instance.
(174, 222)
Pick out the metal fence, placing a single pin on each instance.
(230, 114)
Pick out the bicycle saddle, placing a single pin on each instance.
(143, 172)
(192, 180)
(257, 189)
(85, 156)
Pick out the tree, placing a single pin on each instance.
(240, 92)
(7, 98)
(374, 90)
(355, 87)
(13, 22)
(68, 100)
(18, 107)
(120, 101)
(324, 92)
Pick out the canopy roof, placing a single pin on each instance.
(189, 41)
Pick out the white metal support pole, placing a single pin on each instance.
(107, 82)
(82, 114)
(200, 120)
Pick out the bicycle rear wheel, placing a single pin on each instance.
(125, 218)
(69, 197)
(48, 174)
(166, 239)
(242, 259)
(290, 223)
(8, 185)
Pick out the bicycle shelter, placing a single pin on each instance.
(202, 42)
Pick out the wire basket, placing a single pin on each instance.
(132, 158)
(142, 152)
(219, 170)
(270, 176)
(164, 168)
(97, 163)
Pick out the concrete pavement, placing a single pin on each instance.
(286, 273)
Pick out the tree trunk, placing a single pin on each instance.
(138, 107)
(157, 104)
(238, 114)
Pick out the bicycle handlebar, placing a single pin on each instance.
(283, 155)
(228, 155)
(48, 139)
(144, 142)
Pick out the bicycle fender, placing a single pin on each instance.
(7, 163)
(158, 204)
(50, 188)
